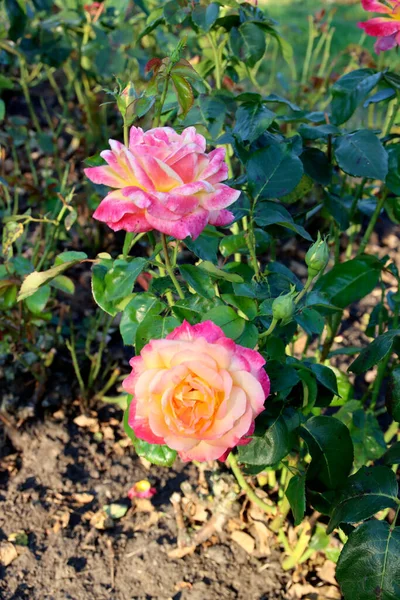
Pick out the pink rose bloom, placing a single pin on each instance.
(164, 181)
(386, 29)
(197, 392)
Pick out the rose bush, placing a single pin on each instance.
(164, 181)
(197, 392)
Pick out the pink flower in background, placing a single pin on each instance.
(386, 29)
(197, 392)
(164, 181)
(141, 489)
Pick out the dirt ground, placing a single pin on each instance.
(46, 469)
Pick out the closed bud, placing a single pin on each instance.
(283, 306)
(317, 257)
(125, 101)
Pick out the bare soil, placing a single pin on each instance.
(45, 465)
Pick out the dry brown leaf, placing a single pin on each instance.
(195, 511)
(263, 536)
(244, 540)
(327, 572)
(84, 421)
(152, 520)
(82, 498)
(59, 415)
(181, 552)
(143, 505)
(100, 520)
(183, 585)
(307, 591)
(108, 432)
(8, 553)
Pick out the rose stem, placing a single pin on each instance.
(169, 268)
(232, 462)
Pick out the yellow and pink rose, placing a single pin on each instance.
(196, 391)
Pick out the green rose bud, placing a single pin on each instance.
(283, 306)
(125, 101)
(317, 257)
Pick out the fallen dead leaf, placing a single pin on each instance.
(8, 553)
(143, 505)
(152, 520)
(306, 591)
(82, 498)
(244, 540)
(108, 432)
(84, 421)
(181, 552)
(327, 572)
(263, 536)
(183, 585)
(100, 520)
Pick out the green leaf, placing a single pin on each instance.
(141, 306)
(205, 16)
(316, 165)
(368, 441)
(194, 308)
(220, 273)
(270, 448)
(296, 494)
(246, 305)
(154, 328)
(252, 119)
(310, 320)
(272, 213)
(326, 377)
(366, 492)
(273, 171)
(375, 352)
(64, 284)
(361, 154)
(198, 280)
(36, 280)
(159, 455)
(248, 43)
(173, 13)
(205, 246)
(113, 281)
(331, 449)
(393, 176)
(392, 455)
(393, 399)
(184, 93)
(226, 318)
(18, 19)
(119, 280)
(116, 510)
(36, 303)
(230, 244)
(350, 91)
(2, 110)
(6, 83)
(249, 337)
(369, 566)
(66, 257)
(350, 281)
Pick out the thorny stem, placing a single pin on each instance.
(217, 62)
(270, 329)
(304, 290)
(232, 462)
(372, 223)
(169, 268)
